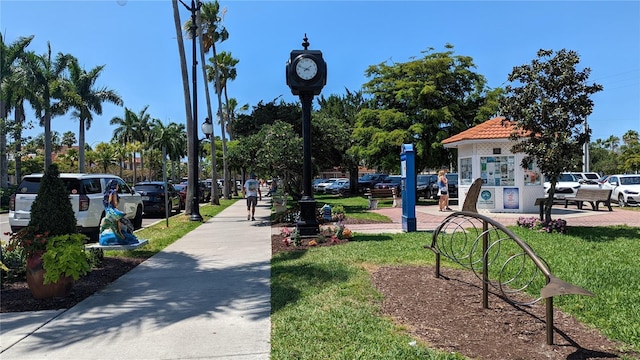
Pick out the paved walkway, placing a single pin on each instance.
(206, 296)
(428, 218)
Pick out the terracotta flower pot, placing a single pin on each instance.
(35, 280)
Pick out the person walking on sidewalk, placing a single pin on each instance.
(251, 191)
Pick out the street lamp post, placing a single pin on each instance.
(195, 205)
(207, 129)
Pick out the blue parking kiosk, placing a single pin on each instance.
(408, 174)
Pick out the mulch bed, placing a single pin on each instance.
(16, 296)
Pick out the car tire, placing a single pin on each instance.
(137, 221)
(621, 202)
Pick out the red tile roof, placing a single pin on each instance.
(490, 129)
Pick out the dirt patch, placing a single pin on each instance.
(447, 314)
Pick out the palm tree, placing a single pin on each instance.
(121, 153)
(223, 69)
(106, 156)
(171, 139)
(630, 137)
(143, 128)
(125, 132)
(187, 103)
(9, 55)
(612, 143)
(45, 76)
(87, 99)
(231, 108)
(211, 32)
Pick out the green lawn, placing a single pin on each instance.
(324, 305)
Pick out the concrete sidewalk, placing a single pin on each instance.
(206, 296)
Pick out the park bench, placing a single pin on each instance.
(374, 195)
(592, 196)
(540, 202)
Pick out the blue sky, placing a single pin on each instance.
(136, 41)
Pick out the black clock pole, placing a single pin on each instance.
(308, 224)
(306, 73)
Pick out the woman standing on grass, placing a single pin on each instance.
(443, 191)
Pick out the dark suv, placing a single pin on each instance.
(153, 197)
(452, 182)
(425, 184)
(368, 181)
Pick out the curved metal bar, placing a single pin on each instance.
(477, 242)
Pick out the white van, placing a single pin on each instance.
(85, 193)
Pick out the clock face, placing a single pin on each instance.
(306, 68)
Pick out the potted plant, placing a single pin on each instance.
(51, 243)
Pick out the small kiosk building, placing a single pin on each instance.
(484, 151)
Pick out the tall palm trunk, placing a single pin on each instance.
(225, 186)
(81, 142)
(215, 199)
(4, 161)
(19, 118)
(47, 139)
(191, 186)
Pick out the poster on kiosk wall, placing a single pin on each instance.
(511, 198)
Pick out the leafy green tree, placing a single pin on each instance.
(332, 127)
(630, 152)
(548, 102)
(83, 95)
(423, 102)
(601, 158)
(275, 147)
(266, 114)
(52, 194)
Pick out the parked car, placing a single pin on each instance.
(316, 182)
(203, 194)
(153, 196)
(368, 181)
(452, 182)
(390, 182)
(625, 189)
(320, 188)
(86, 192)
(425, 184)
(566, 186)
(182, 190)
(590, 178)
(452, 185)
(336, 187)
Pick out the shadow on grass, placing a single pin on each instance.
(601, 234)
(372, 237)
(290, 281)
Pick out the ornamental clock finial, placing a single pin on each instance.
(305, 43)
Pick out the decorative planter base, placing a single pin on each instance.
(35, 280)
